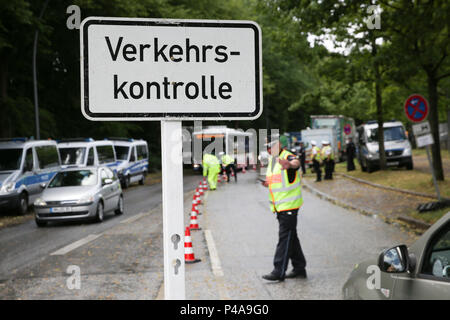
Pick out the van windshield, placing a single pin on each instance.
(121, 152)
(390, 134)
(74, 179)
(72, 155)
(10, 159)
(320, 123)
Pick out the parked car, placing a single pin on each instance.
(79, 194)
(396, 146)
(84, 152)
(421, 271)
(132, 158)
(24, 165)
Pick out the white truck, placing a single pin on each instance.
(319, 135)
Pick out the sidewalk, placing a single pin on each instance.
(390, 205)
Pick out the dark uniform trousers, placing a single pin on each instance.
(288, 246)
(317, 170)
(228, 169)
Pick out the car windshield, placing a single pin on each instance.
(390, 134)
(324, 123)
(122, 152)
(74, 179)
(10, 159)
(72, 155)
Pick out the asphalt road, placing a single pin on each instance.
(24, 248)
(122, 257)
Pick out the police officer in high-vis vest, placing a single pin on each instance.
(316, 157)
(285, 196)
(327, 156)
(211, 167)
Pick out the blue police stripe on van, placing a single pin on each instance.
(34, 179)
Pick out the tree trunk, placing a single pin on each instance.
(3, 98)
(433, 118)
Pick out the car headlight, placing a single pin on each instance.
(407, 152)
(39, 203)
(87, 200)
(7, 187)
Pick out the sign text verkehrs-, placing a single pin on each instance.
(143, 69)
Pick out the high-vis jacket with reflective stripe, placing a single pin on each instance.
(315, 154)
(211, 164)
(326, 152)
(226, 160)
(283, 195)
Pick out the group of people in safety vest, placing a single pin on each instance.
(323, 156)
(213, 166)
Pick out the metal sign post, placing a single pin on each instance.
(173, 218)
(170, 70)
(424, 138)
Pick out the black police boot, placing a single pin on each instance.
(272, 277)
(297, 274)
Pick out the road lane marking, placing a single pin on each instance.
(215, 261)
(75, 245)
(135, 217)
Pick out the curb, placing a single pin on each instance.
(414, 193)
(414, 225)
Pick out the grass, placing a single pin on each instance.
(400, 178)
(429, 216)
(445, 154)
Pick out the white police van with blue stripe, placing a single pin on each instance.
(132, 156)
(85, 152)
(25, 165)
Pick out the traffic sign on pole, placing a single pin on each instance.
(153, 69)
(170, 70)
(347, 129)
(416, 108)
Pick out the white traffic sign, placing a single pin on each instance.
(421, 128)
(424, 140)
(149, 69)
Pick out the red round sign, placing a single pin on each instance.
(347, 129)
(416, 108)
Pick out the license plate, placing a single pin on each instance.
(60, 209)
(395, 163)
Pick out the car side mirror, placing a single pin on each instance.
(43, 185)
(107, 181)
(396, 260)
(446, 272)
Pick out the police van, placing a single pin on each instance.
(397, 147)
(84, 152)
(132, 156)
(25, 165)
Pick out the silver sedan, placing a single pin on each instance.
(79, 194)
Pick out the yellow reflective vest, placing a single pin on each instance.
(326, 152)
(283, 196)
(211, 164)
(315, 153)
(226, 160)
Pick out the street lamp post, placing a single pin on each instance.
(36, 102)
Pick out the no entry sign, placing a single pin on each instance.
(416, 108)
(147, 69)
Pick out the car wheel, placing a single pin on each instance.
(127, 182)
(100, 212)
(363, 167)
(120, 207)
(141, 182)
(370, 168)
(23, 203)
(409, 166)
(40, 223)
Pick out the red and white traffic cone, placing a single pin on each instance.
(199, 199)
(189, 256)
(195, 208)
(218, 179)
(243, 170)
(254, 167)
(193, 223)
(200, 191)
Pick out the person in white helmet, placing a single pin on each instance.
(328, 159)
(316, 157)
